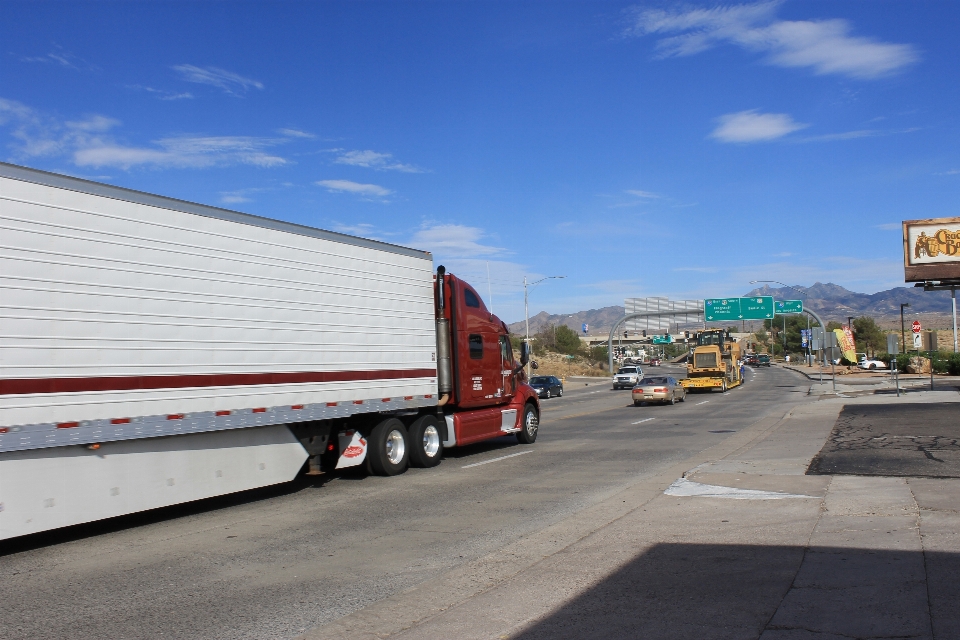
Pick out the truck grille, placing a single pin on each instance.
(704, 360)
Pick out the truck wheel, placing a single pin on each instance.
(723, 386)
(426, 447)
(388, 451)
(529, 426)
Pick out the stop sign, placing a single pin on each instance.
(916, 326)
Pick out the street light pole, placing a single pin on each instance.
(526, 309)
(903, 334)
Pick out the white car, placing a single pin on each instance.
(870, 364)
(627, 377)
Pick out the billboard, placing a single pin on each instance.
(931, 249)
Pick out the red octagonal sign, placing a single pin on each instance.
(916, 326)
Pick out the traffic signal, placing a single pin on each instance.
(644, 333)
(625, 334)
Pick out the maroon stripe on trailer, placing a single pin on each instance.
(128, 383)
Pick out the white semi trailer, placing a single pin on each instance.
(155, 351)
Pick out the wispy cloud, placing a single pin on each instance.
(90, 142)
(231, 83)
(375, 160)
(358, 188)
(239, 196)
(642, 194)
(295, 133)
(61, 58)
(182, 152)
(454, 240)
(752, 126)
(826, 46)
(854, 135)
(949, 172)
(161, 93)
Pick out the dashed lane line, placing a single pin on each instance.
(642, 421)
(700, 403)
(512, 455)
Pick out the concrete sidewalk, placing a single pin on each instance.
(738, 542)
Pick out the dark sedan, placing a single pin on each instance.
(547, 386)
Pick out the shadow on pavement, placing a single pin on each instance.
(744, 591)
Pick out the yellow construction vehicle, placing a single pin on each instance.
(714, 363)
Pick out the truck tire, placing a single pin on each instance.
(426, 446)
(529, 425)
(388, 451)
(723, 386)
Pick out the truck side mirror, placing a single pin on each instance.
(524, 353)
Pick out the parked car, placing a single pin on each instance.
(627, 377)
(751, 359)
(547, 386)
(871, 364)
(662, 390)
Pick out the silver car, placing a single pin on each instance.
(660, 389)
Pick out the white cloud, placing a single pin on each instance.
(295, 133)
(454, 240)
(162, 94)
(949, 172)
(825, 46)
(90, 142)
(62, 58)
(231, 83)
(348, 186)
(751, 126)
(182, 152)
(641, 194)
(374, 160)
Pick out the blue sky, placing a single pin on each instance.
(637, 149)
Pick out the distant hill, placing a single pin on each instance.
(830, 301)
(834, 302)
(599, 320)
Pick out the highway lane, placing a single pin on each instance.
(271, 564)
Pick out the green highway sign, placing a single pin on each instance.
(722, 309)
(790, 306)
(667, 339)
(759, 308)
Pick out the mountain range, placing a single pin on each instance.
(830, 301)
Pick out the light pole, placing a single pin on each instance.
(803, 293)
(903, 334)
(526, 309)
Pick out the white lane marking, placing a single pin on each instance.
(512, 455)
(686, 488)
(642, 421)
(700, 403)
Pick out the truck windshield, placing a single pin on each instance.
(627, 370)
(710, 338)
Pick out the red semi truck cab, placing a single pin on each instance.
(482, 387)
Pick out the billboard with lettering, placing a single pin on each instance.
(931, 249)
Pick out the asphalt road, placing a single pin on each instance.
(273, 563)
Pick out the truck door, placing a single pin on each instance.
(508, 385)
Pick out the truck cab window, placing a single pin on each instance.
(506, 353)
(470, 298)
(476, 345)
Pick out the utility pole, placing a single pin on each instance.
(903, 334)
(526, 310)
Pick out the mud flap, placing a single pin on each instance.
(353, 449)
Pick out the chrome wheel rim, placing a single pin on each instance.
(530, 423)
(431, 441)
(396, 446)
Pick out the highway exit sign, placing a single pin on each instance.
(723, 309)
(790, 306)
